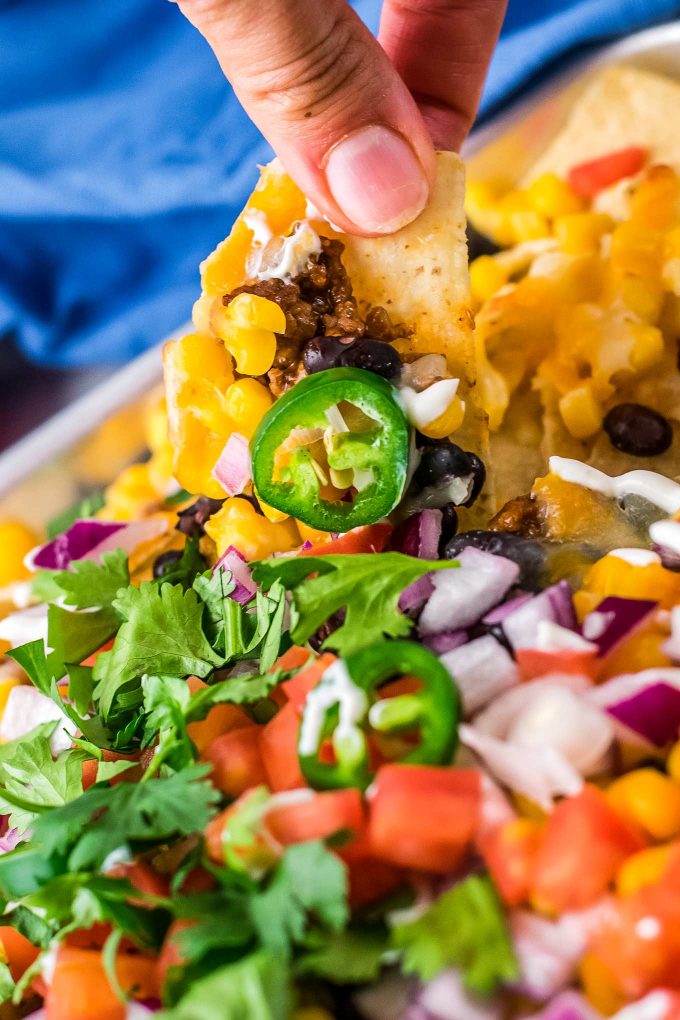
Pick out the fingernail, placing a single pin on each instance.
(376, 179)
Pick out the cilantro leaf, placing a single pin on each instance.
(162, 634)
(464, 928)
(6, 982)
(184, 571)
(73, 636)
(86, 830)
(308, 880)
(88, 584)
(33, 660)
(255, 987)
(354, 956)
(366, 585)
(31, 781)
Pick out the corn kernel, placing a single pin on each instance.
(270, 512)
(647, 349)
(528, 225)
(131, 495)
(614, 576)
(644, 868)
(247, 326)
(644, 296)
(673, 763)
(240, 525)
(446, 423)
(654, 202)
(196, 356)
(16, 541)
(552, 197)
(486, 278)
(581, 412)
(246, 402)
(197, 450)
(581, 233)
(635, 249)
(312, 535)
(648, 799)
(600, 987)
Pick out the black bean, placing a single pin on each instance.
(449, 527)
(527, 554)
(322, 352)
(192, 519)
(478, 477)
(165, 560)
(442, 462)
(479, 244)
(373, 356)
(638, 430)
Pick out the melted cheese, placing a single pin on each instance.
(425, 407)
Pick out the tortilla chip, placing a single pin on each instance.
(621, 106)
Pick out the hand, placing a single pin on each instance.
(353, 122)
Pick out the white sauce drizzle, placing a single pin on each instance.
(663, 492)
(666, 534)
(636, 557)
(428, 405)
(257, 221)
(294, 253)
(336, 687)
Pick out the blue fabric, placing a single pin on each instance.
(124, 158)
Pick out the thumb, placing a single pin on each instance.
(323, 93)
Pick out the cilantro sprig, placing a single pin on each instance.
(367, 586)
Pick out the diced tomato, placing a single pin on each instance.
(639, 938)
(19, 951)
(220, 719)
(80, 989)
(509, 852)
(278, 746)
(588, 178)
(143, 877)
(423, 817)
(584, 843)
(93, 937)
(253, 853)
(372, 538)
(198, 880)
(371, 880)
(91, 659)
(295, 658)
(298, 687)
(170, 954)
(236, 761)
(91, 765)
(535, 662)
(318, 817)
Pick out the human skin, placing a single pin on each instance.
(355, 120)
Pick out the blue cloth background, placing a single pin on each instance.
(124, 158)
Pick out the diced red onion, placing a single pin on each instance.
(89, 539)
(554, 605)
(551, 712)
(417, 594)
(548, 953)
(234, 469)
(482, 669)
(73, 544)
(10, 840)
(465, 593)
(614, 620)
(567, 1006)
(657, 1005)
(539, 773)
(499, 614)
(495, 809)
(445, 998)
(235, 562)
(25, 625)
(645, 703)
(446, 641)
(419, 535)
(671, 648)
(27, 708)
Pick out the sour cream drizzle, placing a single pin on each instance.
(636, 557)
(428, 405)
(336, 687)
(666, 534)
(662, 492)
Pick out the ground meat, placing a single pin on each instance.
(318, 302)
(521, 516)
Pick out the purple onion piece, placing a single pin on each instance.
(670, 559)
(499, 614)
(73, 544)
(419, 535)
(553, 605)
(235, 562)
(614, 620)
(447, 641)
(416, 594)
(654, 713)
